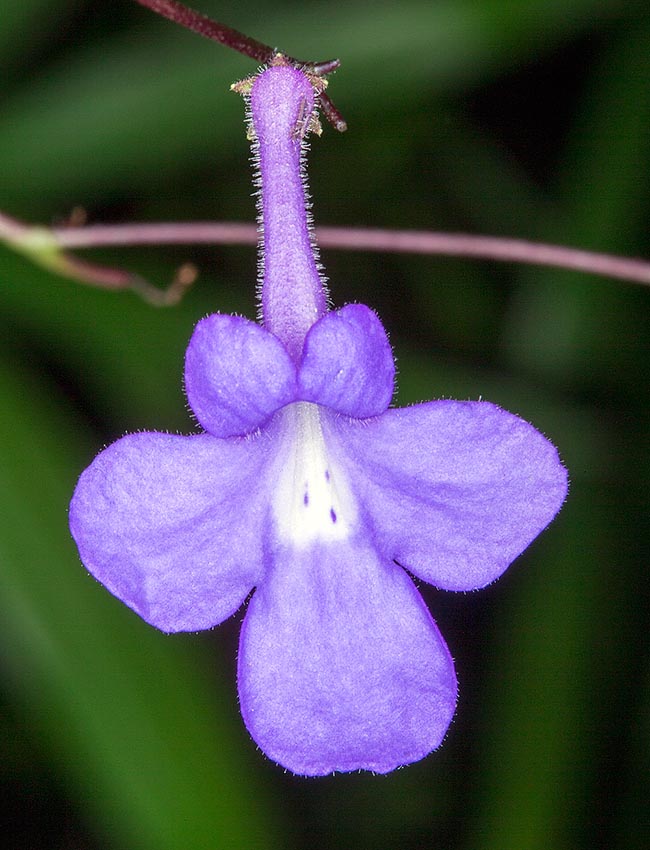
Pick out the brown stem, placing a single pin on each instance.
(201, 24)
(205, 26)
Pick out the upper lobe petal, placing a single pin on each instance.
(453, 490)
(347, 363)
(173, 525)
(237, 374)
(341, 666)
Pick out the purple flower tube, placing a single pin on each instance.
(306, 487)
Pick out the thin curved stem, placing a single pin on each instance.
(41, 246)
(368, 239)
(50, 248)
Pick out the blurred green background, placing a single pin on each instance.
(529, 119)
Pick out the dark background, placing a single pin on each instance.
(528, 119)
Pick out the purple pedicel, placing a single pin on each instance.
(282, 103)
(306, 487)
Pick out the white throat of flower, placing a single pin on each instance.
(312, 498)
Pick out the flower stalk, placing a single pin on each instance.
(282, 104)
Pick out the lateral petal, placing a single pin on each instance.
(347, 363)
(237, 374)
(454, 491)
(173, 526)
(341, 667)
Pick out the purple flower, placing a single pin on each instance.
(308, 488)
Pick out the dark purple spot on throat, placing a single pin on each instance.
(333, 514)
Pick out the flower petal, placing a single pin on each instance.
(347, 363)
(173, 525)
(341, 666)
(453, 490)
(236, 375)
